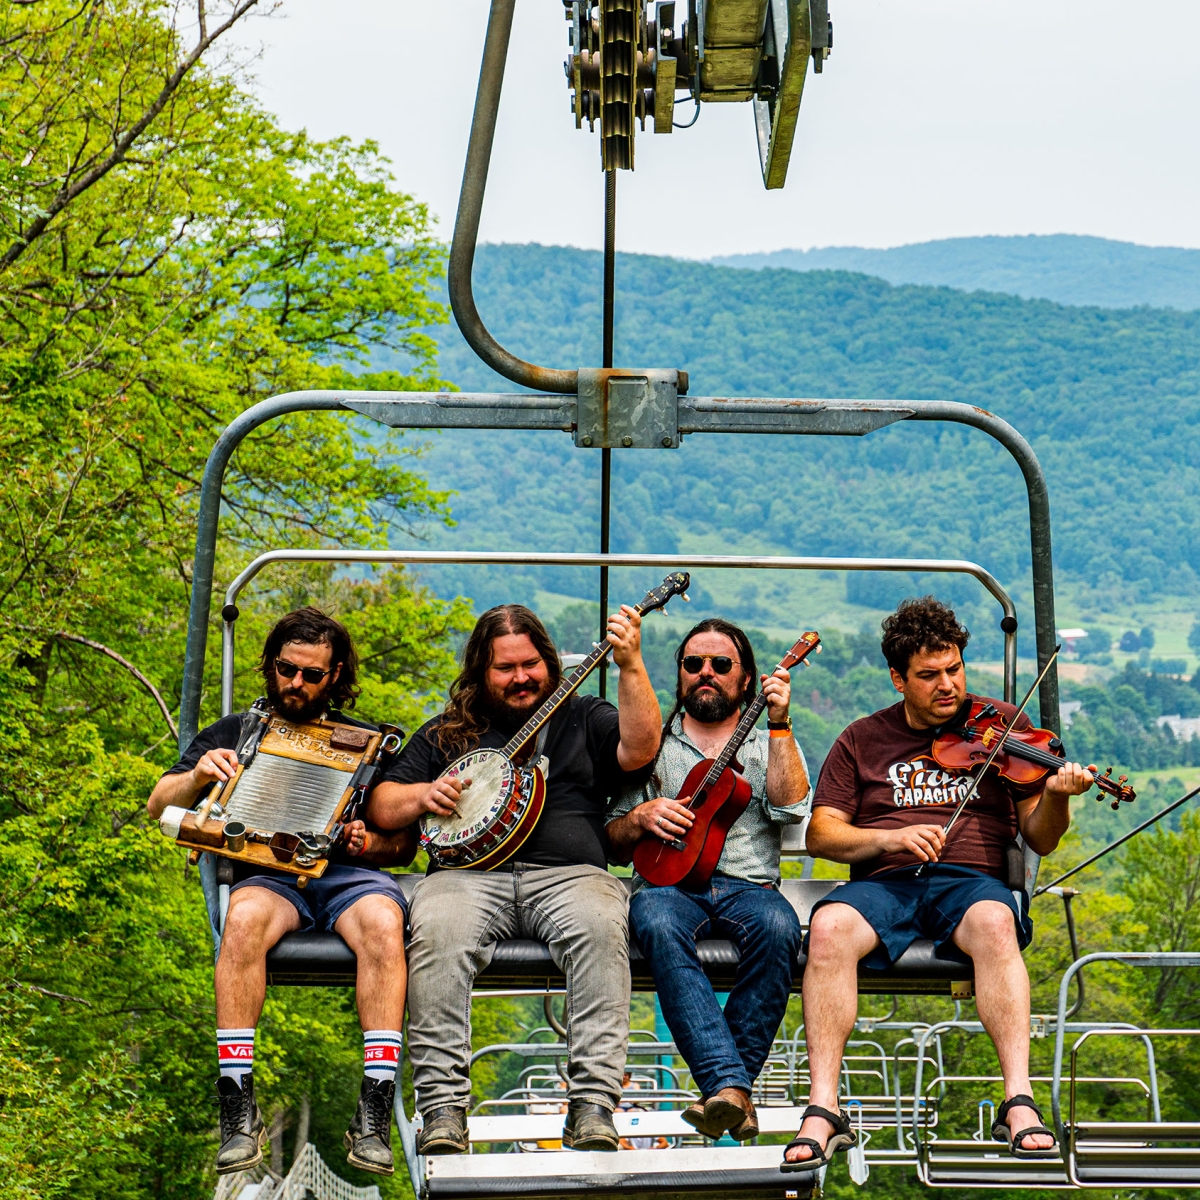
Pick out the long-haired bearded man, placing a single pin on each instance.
(555, 889)
(308, 667)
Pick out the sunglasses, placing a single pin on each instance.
(287, 670)
(722, 664)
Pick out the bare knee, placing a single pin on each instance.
(256, 920)
(988, 931)
(839, 935)
(374, 929)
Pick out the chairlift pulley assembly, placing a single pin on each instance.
(629, 59)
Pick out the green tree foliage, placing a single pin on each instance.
(168, 257)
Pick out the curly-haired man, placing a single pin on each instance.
(880, 805)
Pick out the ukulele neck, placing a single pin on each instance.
(736, 739)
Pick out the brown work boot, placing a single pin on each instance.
(731, 1109)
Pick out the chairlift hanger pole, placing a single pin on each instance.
(1087, 862)
(610, 255)
(458, 410)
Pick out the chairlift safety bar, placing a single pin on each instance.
(668, 561)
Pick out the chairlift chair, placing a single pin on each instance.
(611, 408)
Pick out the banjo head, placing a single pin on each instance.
(493, 788)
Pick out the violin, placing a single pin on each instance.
(1028, 754)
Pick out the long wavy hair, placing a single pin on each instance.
(465, 719)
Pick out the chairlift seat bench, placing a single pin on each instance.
(323, 959)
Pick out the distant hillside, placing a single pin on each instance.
(1109, 398)
(1060, 267)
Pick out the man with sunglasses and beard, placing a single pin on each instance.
(309, 669)
(555, 889)
(725, 1050)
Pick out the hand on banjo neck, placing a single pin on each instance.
(484, 827)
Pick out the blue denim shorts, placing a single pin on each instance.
(322, 901)
(901, 908)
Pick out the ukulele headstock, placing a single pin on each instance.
(1118, 788)
(806, 643)
(675, 584)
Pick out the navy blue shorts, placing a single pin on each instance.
(322, 901)
(901, 908)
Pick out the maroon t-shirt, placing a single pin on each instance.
(882, 775)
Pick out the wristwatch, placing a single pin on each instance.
(780, 724)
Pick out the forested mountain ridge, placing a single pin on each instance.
(1066, 268)
(1108, 398)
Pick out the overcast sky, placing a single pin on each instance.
(940, 119)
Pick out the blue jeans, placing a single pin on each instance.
(723, 1049)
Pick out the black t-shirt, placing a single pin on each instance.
(581, 744)
(224, 734)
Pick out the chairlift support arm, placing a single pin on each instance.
(445, 410)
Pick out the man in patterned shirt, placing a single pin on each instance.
(725, 1051)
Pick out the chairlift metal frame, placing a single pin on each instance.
(585, 403)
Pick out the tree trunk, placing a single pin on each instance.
(302, 1124)
(275, 1135)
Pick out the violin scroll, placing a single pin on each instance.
(1119, 789)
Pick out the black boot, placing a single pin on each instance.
(444, 1131)
(242, 1130)
(369, 1138)
(589, 1127)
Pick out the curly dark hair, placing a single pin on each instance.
(465, 718)
(920, 624)
(311, 627)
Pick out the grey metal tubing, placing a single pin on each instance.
(715, 415)
(470, 206)
(1041, 554)
(431, 410)
(1062, 1027)
(408, 1142)
(742, 561)
(1131, 959)
(485, 411)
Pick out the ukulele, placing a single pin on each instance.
(502, 802)
(717, 792)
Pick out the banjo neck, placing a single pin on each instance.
(675, 584)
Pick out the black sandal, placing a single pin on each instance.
(842, 1138)
(1001, 1132)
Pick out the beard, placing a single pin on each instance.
(506, 715)
(292, 704)
(708, 704)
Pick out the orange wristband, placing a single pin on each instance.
(780, 733)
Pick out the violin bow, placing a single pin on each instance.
(973, 790)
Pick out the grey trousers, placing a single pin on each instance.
(581, 913)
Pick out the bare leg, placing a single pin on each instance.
(988, 934)
(257, 919)
(838, 938)
(374, 929)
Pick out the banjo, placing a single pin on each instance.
(499, 808)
